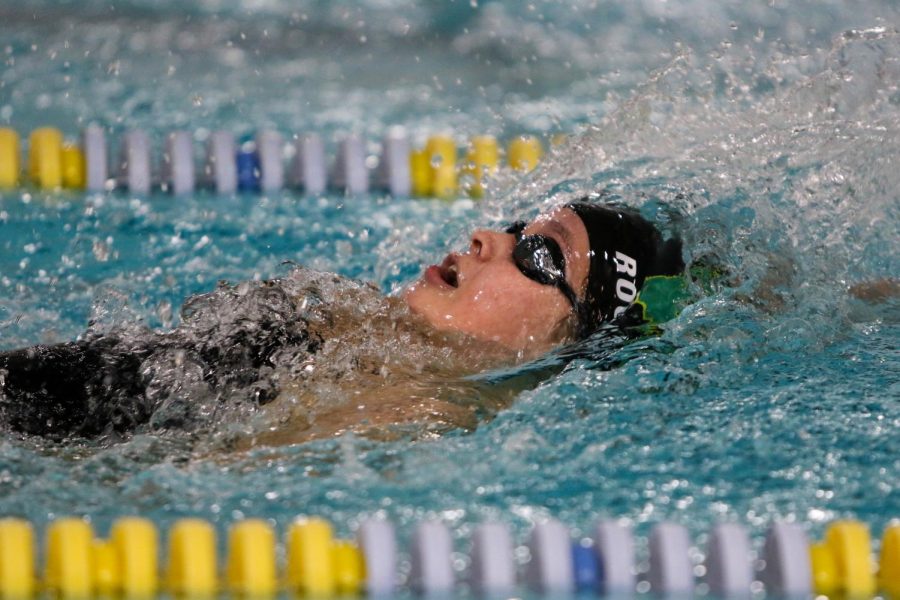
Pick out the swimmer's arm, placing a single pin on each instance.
(875, 292)
(780, 272)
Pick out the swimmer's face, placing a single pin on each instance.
(483, 293)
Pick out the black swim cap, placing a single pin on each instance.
(626, 249)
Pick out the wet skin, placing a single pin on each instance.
(482, 293)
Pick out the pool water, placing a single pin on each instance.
(767, 134)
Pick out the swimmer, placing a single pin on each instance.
(539, 284)
(313, 355)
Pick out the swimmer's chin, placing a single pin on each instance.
(410, 296)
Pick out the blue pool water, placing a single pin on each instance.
(770, 133)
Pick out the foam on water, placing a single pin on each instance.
(771, 146)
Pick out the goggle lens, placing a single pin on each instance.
(540, 258)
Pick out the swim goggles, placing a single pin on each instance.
(540, 259)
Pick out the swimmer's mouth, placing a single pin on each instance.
(449, 271)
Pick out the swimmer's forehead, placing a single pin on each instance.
(561, 223)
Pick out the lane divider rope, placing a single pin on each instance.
(9, 158)
(265, 163)
(45, 158)
(76, 564)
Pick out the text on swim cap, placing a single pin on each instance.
(626, 291)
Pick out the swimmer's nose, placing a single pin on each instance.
(487, 244)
